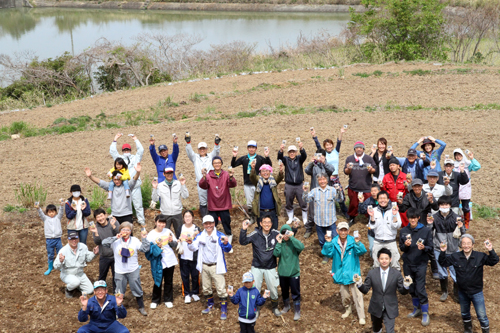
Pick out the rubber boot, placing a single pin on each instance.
(455, 293)
(140, 303)
(230, 241)
(51, 267)
(444, 289)
(223, 310)
(468, 326)
(485, 330)
(466, 219)
(69, 294)
(274, 305)
(416, 308)
(296, 316)
(210, 305)
(290, 216)
(286, 307)
(425, 314)
(347, 312)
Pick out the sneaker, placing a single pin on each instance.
(169, 305)
(435, 276)
(69, 294)
(362, 321)
(325, 260)
(153, 305)
(187, 299)
(196, 298)
(307, 234)
(352, 221)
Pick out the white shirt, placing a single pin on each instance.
(381, 173)
(187, 254)
(168, 258)
(133, 244)
(210, 253)
(386, 276)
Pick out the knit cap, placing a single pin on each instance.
(359, 144)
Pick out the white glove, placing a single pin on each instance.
(407, 281)
(357, 279)
(152, 205)
(180, 248)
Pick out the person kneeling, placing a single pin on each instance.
(103, 310)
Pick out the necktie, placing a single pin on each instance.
(384, 279)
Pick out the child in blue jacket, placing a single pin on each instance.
(249, 298)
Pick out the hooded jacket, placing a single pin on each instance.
(294, 174)
(288, 254)
(456, 180)
(244, 160)
(470, 165)
(248, 300)
(262, 247)
(344, 269)
(52, 225)
(162, 163)
(411, 254)
(411, 200)
(218, 195)
(442, 229)
(314, 169)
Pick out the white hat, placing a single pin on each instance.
(169, 169)
(292, 148)
(252, 143)
(343, 225)
(448, 161)
(208, 218)
(202, 145)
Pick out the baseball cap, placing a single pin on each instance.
(343, 225)
(169, 169)
(252, 143)
(433, 174)
(417, 181)
(448, 161)
(75, 188)
(412, 151)
(248, 277)
(162, 147)
(72, 234)
(208, 218)
(292, 148)
(126, 146)
(99, 284)
(202, 145)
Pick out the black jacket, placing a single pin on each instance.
(411, 200)
(443, 228)
(469, 272)
(243, 160)
(456, 180)
(294, 173)
(262, 248)
(363, 210)
(385, 164)
(411, 254)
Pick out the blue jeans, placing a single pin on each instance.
(478, 302)
(82, 235)
(111, 186)
(53, 244)
(321, 231)
(115, 327)
(443, 273)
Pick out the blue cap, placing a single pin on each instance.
(433, 174)
(162, 147)
(99, 284)
(247, 277)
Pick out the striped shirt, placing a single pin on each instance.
(324, 205)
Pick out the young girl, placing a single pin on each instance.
(189, 259)
(433, 156)
(122, 167)
(164, 243)
(53, 231)
(379, 155)
(464, 193)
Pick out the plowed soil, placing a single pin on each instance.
(33, 302)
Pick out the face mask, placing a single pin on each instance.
(126, 154)
(76, 194)
(444, 210)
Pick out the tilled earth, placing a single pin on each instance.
(36, 303)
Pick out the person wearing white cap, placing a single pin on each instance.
(246, 161)
(294, 177)
(202, 160)
(456, 179)
(170, 192)
(211, 245)
(102, 321)
(436, 189)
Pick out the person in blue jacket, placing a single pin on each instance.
(428, 144)
(248, 297)
(164, 160)
(345, 251)
(103, 310)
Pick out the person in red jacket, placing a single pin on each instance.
(217, 182)
(394, 183)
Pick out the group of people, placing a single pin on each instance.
(412, 206)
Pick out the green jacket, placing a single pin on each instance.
(288, 254)
(256, 199)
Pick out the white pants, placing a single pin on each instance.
(202, 195)
(249, 193)
(81, 282)
(357, 298)
(393, 247)
(271, 277)
(137, 202)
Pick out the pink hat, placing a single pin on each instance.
(266, 167)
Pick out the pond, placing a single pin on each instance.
(48, 32)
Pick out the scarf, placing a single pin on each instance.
(169, 183)
(260, 184)
(125, 252)
(79, 225)
(250, 160)
(360, 160)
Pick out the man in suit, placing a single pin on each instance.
(385, 282)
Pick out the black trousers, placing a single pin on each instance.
(176, 221)
(125, 218)
(168, 291)
(247, 328)
(225, 218)
(417, 288)
(272, 214)
(105, 263)
(288, 283)
(432, 258)
(388, 322)
(188, 269)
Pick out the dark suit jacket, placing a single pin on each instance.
(380, 298)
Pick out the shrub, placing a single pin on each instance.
(486, 212)
(28, 194)
(146, 191)
(97, 198)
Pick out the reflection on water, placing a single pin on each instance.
(51, 31)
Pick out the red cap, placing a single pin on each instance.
(126, 146)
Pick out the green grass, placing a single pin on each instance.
(361, 74)
(97, 198)
(485, 212)
(419, 72)
(195, 97)
(10, 209)
(28, 194)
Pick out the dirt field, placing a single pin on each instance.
(35, 303)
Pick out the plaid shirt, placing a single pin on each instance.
(324, 205)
